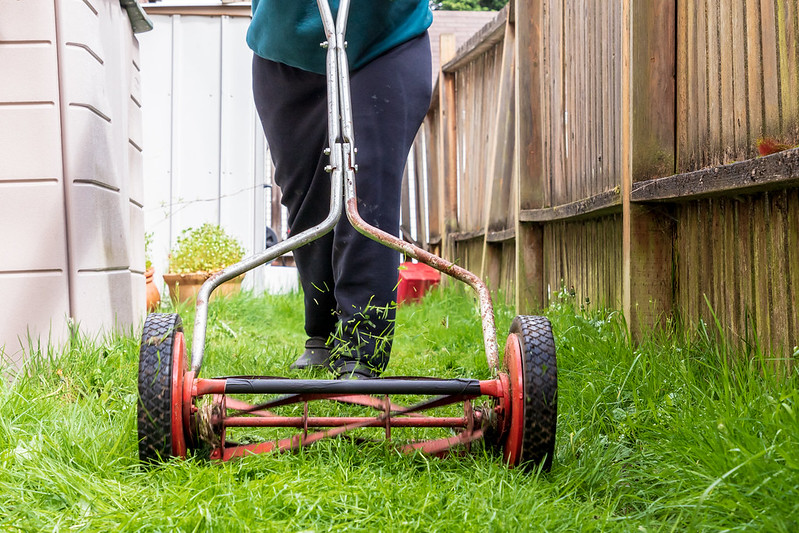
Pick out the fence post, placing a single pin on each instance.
(648, 141)
(528, 156)
(447, 149)
(501, 167)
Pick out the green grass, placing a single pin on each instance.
(663, 436)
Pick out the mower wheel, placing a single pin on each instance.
(162, 365)
(533, 373)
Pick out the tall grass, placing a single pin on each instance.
(676, 433)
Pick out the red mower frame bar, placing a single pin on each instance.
(188, 421)
(518, 417)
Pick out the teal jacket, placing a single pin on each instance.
(289, 31)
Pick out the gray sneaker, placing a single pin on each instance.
(316, 355)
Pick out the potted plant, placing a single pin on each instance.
(198, 254)
(152, 294)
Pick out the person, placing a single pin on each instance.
(349, 281)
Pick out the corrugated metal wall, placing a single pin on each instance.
(205, 156)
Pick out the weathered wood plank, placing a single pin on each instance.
(772, 98)
(491, 236)
(447, 147)
(654, 67)
(764, 173)
(626, 115)
(730, 257)
(501, 141)
(727, 80)
(479, 43)
(792, 280)
(530, 183)
(597, 205)
(754, 70)
(788, 25)
(743, 279)
(738, 115)
(781, 307)
(762, 275)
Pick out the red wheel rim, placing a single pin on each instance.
(188, 404)
(178, 369)
(513, 362)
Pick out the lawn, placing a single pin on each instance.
(662, 436)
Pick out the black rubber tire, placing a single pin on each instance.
(155, 386)
(540, 374)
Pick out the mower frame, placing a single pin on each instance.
(507, 420)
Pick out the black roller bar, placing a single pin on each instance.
(469, 387)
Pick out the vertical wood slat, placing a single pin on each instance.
(736, 259)
(531, 183)
(499, 167)
(434, 201)
(792, 246)
(421, 191)
(738, 66)
(754, 72)
(738, 77)
(723, 249)
(626, 112)
(447, 155)
(771, 71)
(788, 46)
(780, 304)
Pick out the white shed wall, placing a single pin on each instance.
(70, 171)
(205, 157)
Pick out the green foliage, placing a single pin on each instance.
(675, 434)
(148, 242)
(468, 5)
(204, 249)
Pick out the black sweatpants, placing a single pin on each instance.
(349, 281)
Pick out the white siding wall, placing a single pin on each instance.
(70, 171)
(205, 158)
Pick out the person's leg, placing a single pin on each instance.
(390, 97)
(292, 106)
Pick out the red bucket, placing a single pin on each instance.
(414, 281)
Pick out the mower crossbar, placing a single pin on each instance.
(374, 393)
(355, 386)
(335, 421)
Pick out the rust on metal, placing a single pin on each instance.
(442, 446)
(440, 264)
(305, 421)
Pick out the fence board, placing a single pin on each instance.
(708, 225)
(738, 66)
(737, 256)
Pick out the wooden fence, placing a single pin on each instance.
(611, 148)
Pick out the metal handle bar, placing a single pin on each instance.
(341, 139)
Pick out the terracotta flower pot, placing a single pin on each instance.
(184, 287)
(151, 291)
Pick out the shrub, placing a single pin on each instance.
(204, 249)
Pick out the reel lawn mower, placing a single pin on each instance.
(515, 411)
